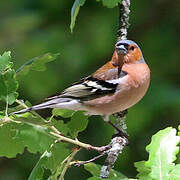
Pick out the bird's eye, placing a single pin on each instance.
(131, 48)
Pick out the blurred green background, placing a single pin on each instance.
(30, 28)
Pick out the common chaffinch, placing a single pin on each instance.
(114, 87)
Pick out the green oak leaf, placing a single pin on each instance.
(175, 173)
(65, 113)
(50, 159)
(58, 153)
(14, 137)
(143, 170)
(38, 171)
(74, 12)
(96, 178)
(28, 117)
(78, 123)
(61, 126)
(5, 62)
(162, 153)
(34, 137)
(10, 146)
(37, 63)
(8, 86)
(8, 82)
(93, 168)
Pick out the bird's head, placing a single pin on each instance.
(128, 52)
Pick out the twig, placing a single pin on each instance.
(79, 163)
(78, 143)
(69, 159)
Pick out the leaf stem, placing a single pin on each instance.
(6, 111)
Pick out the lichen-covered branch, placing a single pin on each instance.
(123, 19)
(117, 144)
(121, 121)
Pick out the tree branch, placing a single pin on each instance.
(123, 19)
(78, 143)
(117, 145)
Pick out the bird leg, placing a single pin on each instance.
(120, 132)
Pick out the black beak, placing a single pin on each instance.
(121, 49)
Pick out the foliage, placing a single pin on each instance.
(31, 130)
(8, 82)
(37, 63)
(162, 154)
(162, 150)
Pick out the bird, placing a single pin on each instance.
(115, 87)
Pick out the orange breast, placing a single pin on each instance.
(131, 90)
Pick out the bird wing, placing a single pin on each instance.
(90, 88)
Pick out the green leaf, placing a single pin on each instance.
(8, 86)
(27, 118)
(175, 173)
(110, 3)
(95, 169)
(60, 126)
(14, 137)
(75, 11)
(34, 137)
(51, 159)
(10, 146)
(37, 63)
(66, 113)
(143, 170)
(57, 154)
(162, 153)
(8, 83)
(95, 178)
(5, 62)
(38, 170)
(78, 123)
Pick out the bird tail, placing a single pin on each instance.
(49, 104)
